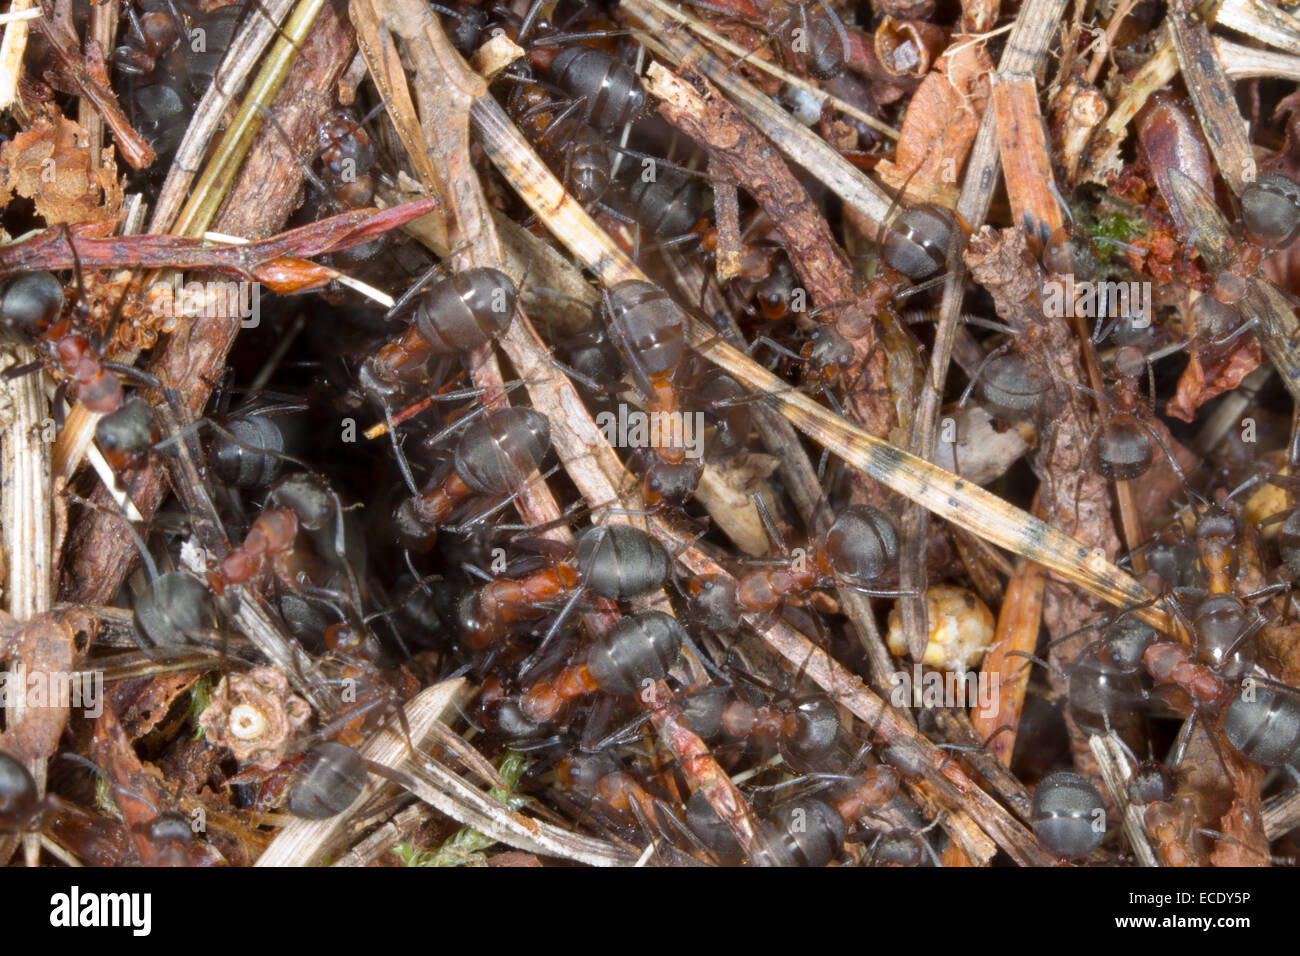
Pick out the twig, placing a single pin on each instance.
(1112, 761)
(259, 260)
(12, 49)
(693, 105)
(244, 50)
(946, 495)
(26, 519)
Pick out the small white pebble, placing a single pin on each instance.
(961, 628)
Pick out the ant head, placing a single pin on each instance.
(1129, 362)
(1150, 782)
(713, 602)
(1070, 252)
(828, 350)
(1215, 525)
(1124, 641)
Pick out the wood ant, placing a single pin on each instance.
(30, 307)
(494, 456)
(638, 652)
(617, 562)
(860, 546)
(455, 316)
(811, 831)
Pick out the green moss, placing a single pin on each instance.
(465, 847)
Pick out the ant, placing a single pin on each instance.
(494, 456)
(817, 38)
(455, 316)
(617, 562)
(176, 54)
(810, 832)
(861, 545)
(637, 653)
(650, 332)
(804, 732)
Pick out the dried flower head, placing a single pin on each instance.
(255, 715)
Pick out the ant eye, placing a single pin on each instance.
(1270, 210)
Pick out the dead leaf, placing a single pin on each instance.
(51, 163)
(1203, 381)
(942, 120)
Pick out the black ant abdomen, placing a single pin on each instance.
(711, 829)
(1263, 723)
(611, 92)
(621, 562)
(175, 609)
(808, 832)
(917, 243)
(811, 733)
(1122, 450)
(1270, 209)
(1066, 814)
(249, 451)
(466, 310)
(702, 711)
(19, 802)
(500, 449)
(651, 326)
(1103, 696)
(862, 543)
(457, 315)
(640, 650)
(669, 203)
(1012, 389)
(327, 781)
(30, 302)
